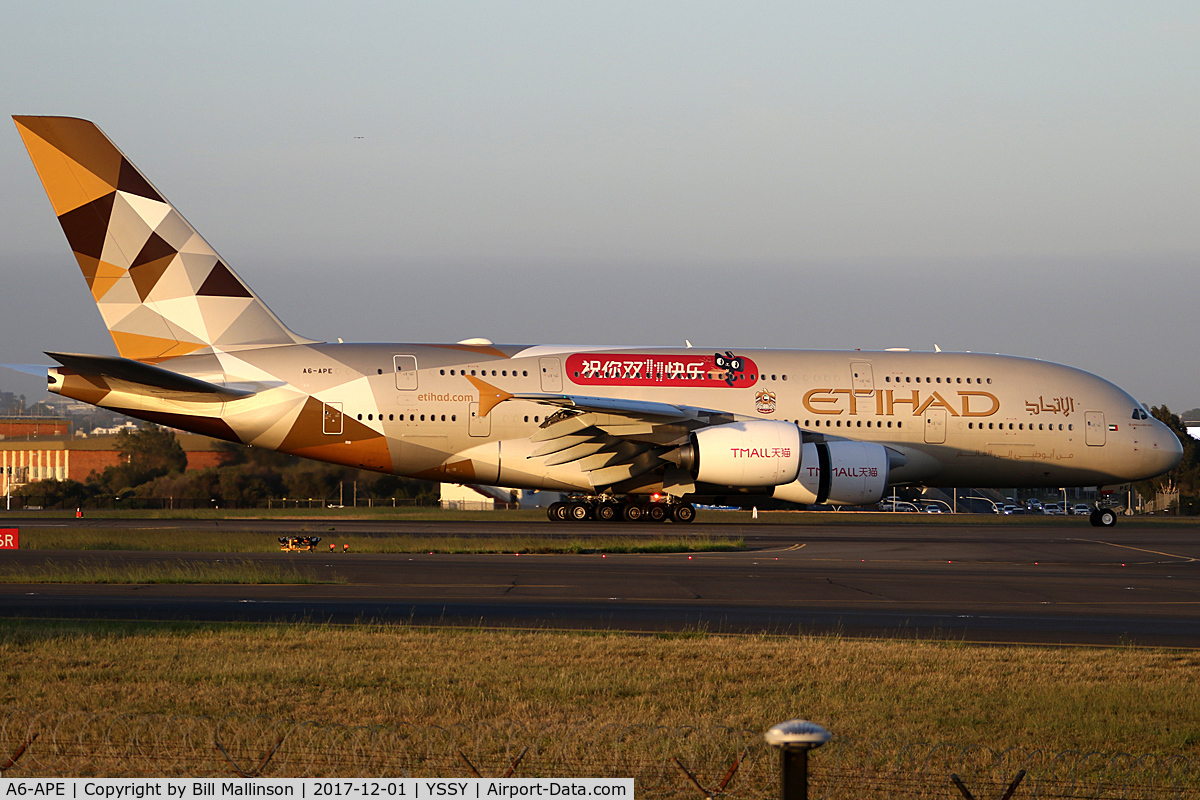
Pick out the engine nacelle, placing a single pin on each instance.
(750, 453)
(839, 472)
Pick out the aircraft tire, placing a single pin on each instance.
(1104, 518)
(552, 511)
(606, 512)
(684, 513)
(632, 512)
(657, 512)
(578, 512)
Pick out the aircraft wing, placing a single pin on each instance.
(616, 441)
(148, 378)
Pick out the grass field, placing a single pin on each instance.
(653, 540)
(1033, 697)
(232, 571)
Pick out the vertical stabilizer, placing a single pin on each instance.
(163, 292)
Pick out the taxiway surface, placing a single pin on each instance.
(1059, 582)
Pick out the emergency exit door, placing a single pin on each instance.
(406, 372)
(935, 426)
(551, 374)
(478, 425)
(1094, 429)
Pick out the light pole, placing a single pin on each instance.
(794, 739)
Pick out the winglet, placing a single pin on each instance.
(489, 396)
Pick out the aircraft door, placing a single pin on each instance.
(551, 374)
(479, 425)
(935, 426)
(860, 372)
(331, 419)
(1094, 429)
(406, 372)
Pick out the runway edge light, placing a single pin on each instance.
(794, 739)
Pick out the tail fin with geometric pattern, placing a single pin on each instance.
(163, 292)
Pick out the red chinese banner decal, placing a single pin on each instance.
(633, 369)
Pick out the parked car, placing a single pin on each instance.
(1052, 509)
(900, 505)
(1083, 508)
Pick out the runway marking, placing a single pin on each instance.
(466, 585)
(785, 549)
(1185, 559)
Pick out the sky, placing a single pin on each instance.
(1018, 177)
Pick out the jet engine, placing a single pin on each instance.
(750, 453)
(839, 472)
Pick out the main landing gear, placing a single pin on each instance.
(607, 509)
(1103, 518)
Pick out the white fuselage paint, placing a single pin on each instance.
(960, 419)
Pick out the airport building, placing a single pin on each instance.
(25, 427)
(63, 457)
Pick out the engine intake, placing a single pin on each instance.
(750, 453)
(839, 472)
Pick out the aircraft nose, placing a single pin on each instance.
(1167, 450)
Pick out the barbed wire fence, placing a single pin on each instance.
(670, 762)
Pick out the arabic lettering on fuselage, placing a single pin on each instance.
(1057, 405)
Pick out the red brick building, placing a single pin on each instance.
(65, 458)
(13, 427)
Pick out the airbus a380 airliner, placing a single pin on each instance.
(613, 426)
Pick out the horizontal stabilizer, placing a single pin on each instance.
(124, 369)
(29, 369)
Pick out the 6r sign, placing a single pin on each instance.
(8, 539)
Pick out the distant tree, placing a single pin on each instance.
(146, 453)
(1186, 476)
(53, 493)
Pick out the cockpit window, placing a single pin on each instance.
(1139, 413)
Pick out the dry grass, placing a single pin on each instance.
(1034, 697)
(233, 571)
(174, 540)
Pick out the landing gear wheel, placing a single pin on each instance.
(1104, 518)
(683, 513)
(556, 512)
(606, 512)
(632, 512)
(578, 511)
(657, 512)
